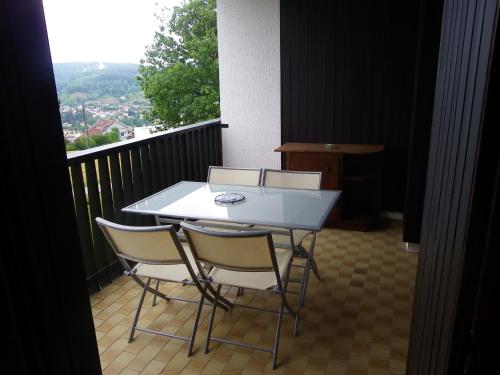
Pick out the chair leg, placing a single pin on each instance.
(305, 281)
(285, 289)
(154, 295)
(314, 266)
(303, 253)
(149, 289)
(299, 299)
(136, 318)
(221, 300)
(296, 323)
(278, 331)
(210, 326)
(284, 303)
(307, 270)
(197, 319)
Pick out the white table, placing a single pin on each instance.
(276, 207)
(273, 207)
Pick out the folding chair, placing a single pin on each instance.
(227, 176)
(234, 176)
(296, 180)
(245, 259)
(159, 255)
(231, 176)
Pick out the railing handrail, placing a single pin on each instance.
(100, 151)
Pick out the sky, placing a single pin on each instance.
(102, 30)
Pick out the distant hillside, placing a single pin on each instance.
(81, 82)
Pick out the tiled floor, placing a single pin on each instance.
(355, 321)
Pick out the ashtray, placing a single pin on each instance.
(229, 198)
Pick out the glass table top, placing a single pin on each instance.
(284, 208)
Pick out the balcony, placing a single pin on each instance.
(356, 320)
(418, 77)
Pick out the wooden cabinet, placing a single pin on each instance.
(354, 169)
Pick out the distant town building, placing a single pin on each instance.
(142, 132)
(71, 135)
(106, 126)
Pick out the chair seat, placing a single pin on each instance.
(167, 272)
(253, 280)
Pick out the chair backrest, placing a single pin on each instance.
(237, 251)
(150, 245)
(234, 176)
(291, 179)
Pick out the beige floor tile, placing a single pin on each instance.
(355, 321)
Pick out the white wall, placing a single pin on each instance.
(249, 70)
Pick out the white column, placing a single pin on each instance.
(249, 71)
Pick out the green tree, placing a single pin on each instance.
(83, 143)
(180, 71)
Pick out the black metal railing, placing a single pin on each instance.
(107, 178)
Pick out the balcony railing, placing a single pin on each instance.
(107, 178)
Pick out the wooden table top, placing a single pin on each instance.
(336, 149)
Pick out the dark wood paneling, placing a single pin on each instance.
(117, 187)
(82, 212)
(94, 205)
(47, 320)
(452, 231)
(347, 77)
(476, 326)
(128, 190)
(155, 170)
(429, 32)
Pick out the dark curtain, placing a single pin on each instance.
(48, 326)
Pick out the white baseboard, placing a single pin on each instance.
(392, 215)
(411, 247)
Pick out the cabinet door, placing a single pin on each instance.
(330, 167)
(328, 164)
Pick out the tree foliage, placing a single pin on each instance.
(80, 82)
(180, 71)
(84, 142)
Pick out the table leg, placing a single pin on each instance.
(307, 269)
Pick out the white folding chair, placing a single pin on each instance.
(296, 180)
(231, 176)
(228, 176)
(291, 179)
(234, 176)
(245, 259)
(158, 255)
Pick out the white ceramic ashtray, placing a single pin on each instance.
(229, 198)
